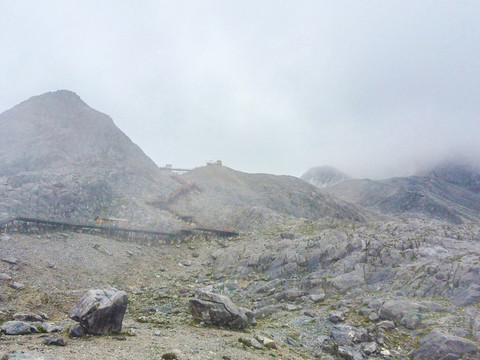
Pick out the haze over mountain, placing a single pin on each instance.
(323, 176)
(449, 191)
(60, 158)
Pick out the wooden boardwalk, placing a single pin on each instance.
(30, 225)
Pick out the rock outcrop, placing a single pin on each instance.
(100, 311)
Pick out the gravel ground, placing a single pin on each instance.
(57, 268)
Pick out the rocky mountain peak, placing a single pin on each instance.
(58, 129)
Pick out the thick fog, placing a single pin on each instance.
(374, 88)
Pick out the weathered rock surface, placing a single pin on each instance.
(219, 310)
(439, 345)
(100, 311)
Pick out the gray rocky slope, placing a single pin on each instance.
(337, 289)
(223, 197)
(449, 191)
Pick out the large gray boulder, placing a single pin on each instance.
(439, 345)
(100, 311)
(219, 310)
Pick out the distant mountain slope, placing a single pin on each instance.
(323, 176)
(60, 158)
(450, 192)
(220, 197)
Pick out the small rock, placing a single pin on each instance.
(373, 317)
(169, 356)
(10, 260)
(157, 333)
(131, 332)
(317, 297)
(348, 353)
(17, 286)
(266, 311)
(43, 315)
(18, 328)
(28, 317)
(411, 320)
(386, 325)
(290, 295)
(349, 335)
(28, 355)
(335, 316)
(50, 328)
(251, 342)
(6, 277)
(268, 343)
(369, 348)
(52, 266)
(58, 341)
(172, 355)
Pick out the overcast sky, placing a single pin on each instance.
(374, 88)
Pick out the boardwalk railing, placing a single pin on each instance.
(28, 224)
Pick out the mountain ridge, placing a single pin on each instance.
(449, 191)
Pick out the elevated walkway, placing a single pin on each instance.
(30, 225)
